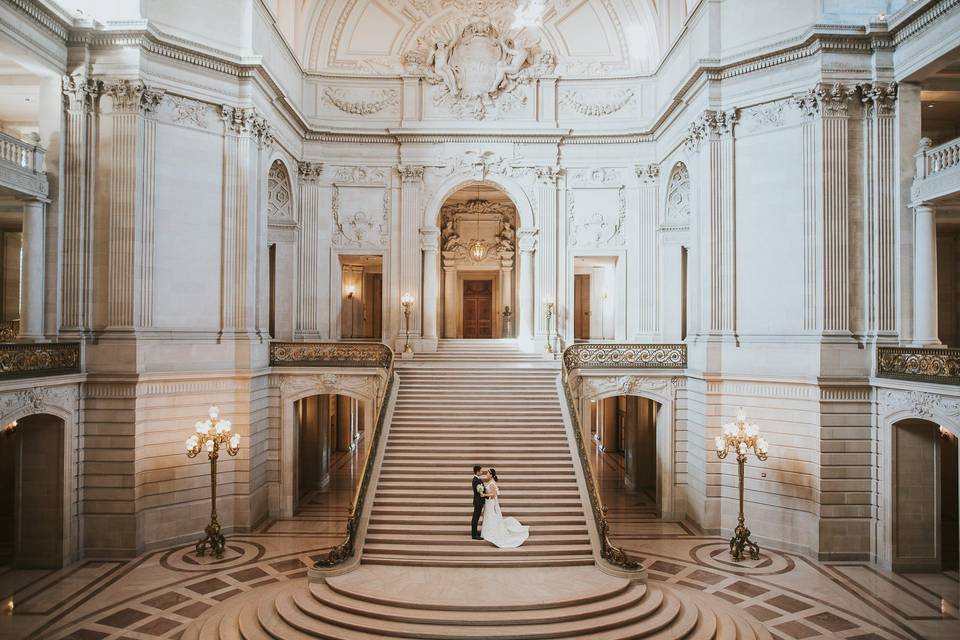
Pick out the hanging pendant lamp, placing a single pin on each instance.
(478, 248)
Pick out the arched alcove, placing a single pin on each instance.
(32, 493)
(924, 493)
(478, 248)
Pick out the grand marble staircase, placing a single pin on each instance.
(475, 403)
(422, 576)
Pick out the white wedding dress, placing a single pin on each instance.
(505, 533)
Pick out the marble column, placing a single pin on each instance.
(32, 271)
(430, 244)
(528, 305)
(648, 279)
(881, 255)
(449, 302)
(506, 295)
(81, 121)
(925, 276)
(411, 184)
(131, 205)
(310, 234)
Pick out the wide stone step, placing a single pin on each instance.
(462, 541)
(459, 512)
(478, 549)
(460, 521)
(512, 562)
(439, 530)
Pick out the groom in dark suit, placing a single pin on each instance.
(478, 501)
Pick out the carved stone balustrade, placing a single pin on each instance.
(22, 167)
(938, 170)
(625, 356)
(940, 366)
(31, 360)
(330, 354)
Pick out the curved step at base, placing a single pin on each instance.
(448, 604)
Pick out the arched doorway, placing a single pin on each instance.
(32, 493)
(925, 497)
(331, 448)
(478, 244)
(625, 458)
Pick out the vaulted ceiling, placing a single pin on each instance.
(369, 37)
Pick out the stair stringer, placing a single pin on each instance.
(593, 529)
(319, 574)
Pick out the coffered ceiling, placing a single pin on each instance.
(369, 37)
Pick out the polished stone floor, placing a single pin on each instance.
(157, 594)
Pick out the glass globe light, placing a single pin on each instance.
(214, 412)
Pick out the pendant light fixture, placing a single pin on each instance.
(478, 248)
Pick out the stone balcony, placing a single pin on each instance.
(22, 167)
(938, 171)
(917, 364)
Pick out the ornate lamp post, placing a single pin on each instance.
(548, 303)
(212, 434)
(406, 301)
(742, 436)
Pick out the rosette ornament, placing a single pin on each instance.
(211, 435)
(742, 437)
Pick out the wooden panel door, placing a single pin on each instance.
(477, 308)
(581, 307)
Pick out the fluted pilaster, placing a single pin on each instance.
(411, 186)
(647, 249)
(81, 103)
(311, 234)
(548, 249)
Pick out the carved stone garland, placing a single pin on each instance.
(597, 227)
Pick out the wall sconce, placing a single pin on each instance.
(10, 428)
(350, 291)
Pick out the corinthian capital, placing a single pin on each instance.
(547, 174)
(243, 120)
(80, 92)
(309, 171)
(829, 101)
(710, 124)
(410, 173)
(133, 96)
(648, 173)
(879, 100)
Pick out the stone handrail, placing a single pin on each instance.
(933, 160)
(338, 354)
(624, 356)
(608, 551)
(22, 154)
(23, 360)
(22, 167)
(940, 366)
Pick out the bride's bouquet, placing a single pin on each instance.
(480, 489)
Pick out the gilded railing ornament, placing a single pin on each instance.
(23, 360)
(608, 551)
(9, 330)
(940, 366)
(625, 356)
(330, 354)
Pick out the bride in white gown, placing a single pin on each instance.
(503, 532)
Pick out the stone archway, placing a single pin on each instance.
(34, 533)
(659, 390)
(478, 243)
(910, 422)
(524, 247)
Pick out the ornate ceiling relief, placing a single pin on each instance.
(360, 208)
(606, 103)
(919, 404)
(478, 67)
(596, 217)
(677, 212)
(362, 104)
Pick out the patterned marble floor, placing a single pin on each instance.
(158, 593)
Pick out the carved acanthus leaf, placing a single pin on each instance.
(362, 106)
(609, 102)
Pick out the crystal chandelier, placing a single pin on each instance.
(478, 248)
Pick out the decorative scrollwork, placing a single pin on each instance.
(608, 551)
(9, 330)
(928, 365)
(619, 356)
(28, 360)
(330, 354)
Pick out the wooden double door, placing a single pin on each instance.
(477, 308)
